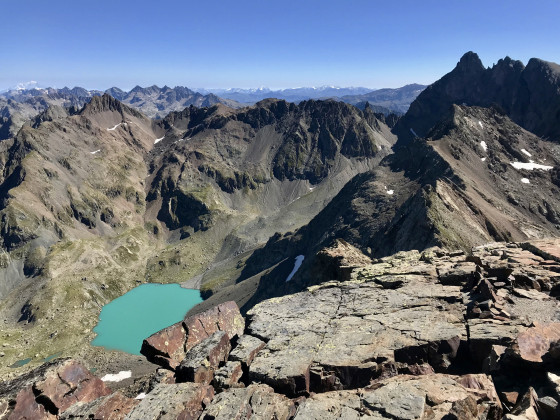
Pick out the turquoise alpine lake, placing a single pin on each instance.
(146, 309)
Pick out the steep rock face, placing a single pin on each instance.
(291, 141)
(529, 95)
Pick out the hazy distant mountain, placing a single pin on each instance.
(382, 100)
(157, 102)
(291, 95)
(396, 100)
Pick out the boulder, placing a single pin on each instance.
(527, 406)
(534, 343)
(161, 376)
(112, 407)
(458, 274)
(486, 333)
(204, 358)
(337, 261)
(9, 389)
(228, 376)
(246, 349)
(68, 384)
(173, 401)
(257, 401)
(166, 347)
(224, 317)
(27, 408)
(408, 397)
(548, 408)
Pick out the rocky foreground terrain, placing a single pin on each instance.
(416, 335)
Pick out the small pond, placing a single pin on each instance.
(127, 320)
(20, 363)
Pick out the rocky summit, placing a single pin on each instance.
(416, 335)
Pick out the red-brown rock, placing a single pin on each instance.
(224, 317)
(166, 347)
(535, 342)
(27, 408)
(112, 407)
(228, 376)
(69, 384)
(204, 358)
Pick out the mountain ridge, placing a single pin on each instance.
(530, 95)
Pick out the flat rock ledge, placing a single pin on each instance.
(418, 335)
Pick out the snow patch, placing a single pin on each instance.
(114, 128)
(297, 265)
(525, 180)
(526, 152)
(483, 159)
(483, 145)
(97, 151)
(117, 377)
(390, 192)
(140, 396)
(480, 123)
(158, 140)
(530, 166)
(414, 133)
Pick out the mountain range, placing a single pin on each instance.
(26, 101)
(290, 94)
(98, 197)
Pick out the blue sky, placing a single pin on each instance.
(251, 43)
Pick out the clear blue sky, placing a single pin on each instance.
(250, 43)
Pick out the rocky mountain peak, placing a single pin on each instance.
(116, 93)
(548, 69)
(469, 63)
(107, 103)
(530, 96)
